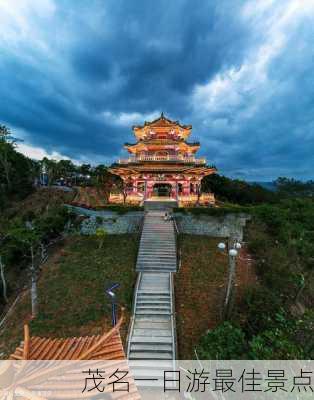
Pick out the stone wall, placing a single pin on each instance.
(112, 222)
(230, 225)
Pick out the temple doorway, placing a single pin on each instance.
(162, 189)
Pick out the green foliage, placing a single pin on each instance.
(17, 235)
(274, 345)
(99, 220)
(261, 307)
(237, 191)
(226, 342)
(280, 238)
(101, 234)
(16, 171)
(287, 187)
(214, 211)
(121, 209)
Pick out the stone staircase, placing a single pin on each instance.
(152, 341)
(160, 205)
(157, 250)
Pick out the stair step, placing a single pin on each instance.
(156, 260)
(145, 302)
(152, 309)
(152, 334)
(153, 340)
(138, 355)
(160, 256)
(156, 269)
(150, 365)
(153, 312)
(160, 253)
(152, 325)
(153, 318)
(144, 372)
(146, 295)
(153, 301)
(163, 348)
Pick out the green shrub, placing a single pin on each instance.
(99, 220)
(226, 342)
(214, 211)
(261, 306)
(274, 345)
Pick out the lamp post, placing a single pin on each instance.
(232, 248)
(112, 296)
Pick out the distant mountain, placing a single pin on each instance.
(267, 185)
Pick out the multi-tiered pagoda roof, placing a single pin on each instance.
(162, 154)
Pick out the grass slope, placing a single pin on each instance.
(199, 289)
(71, 288)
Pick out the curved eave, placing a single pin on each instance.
(137, 169)
(161, 121)
(122, 171)
(202, 170)
(134, 148)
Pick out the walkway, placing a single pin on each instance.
(152, 334)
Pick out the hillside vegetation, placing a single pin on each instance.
(71, 290)
(275, 319)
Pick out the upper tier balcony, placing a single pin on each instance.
(176, 159)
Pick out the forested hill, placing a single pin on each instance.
(16, 171)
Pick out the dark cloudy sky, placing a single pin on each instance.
(75, 75)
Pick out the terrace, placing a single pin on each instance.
(166, 158)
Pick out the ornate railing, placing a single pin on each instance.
(186, 160)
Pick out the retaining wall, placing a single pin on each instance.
(230, 225)
(112, 222)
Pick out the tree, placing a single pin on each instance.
(16, 170)
(237, 191)
(287, 187)
(65, 169)
(6, 146)
(101, 235)
(3, 252)
(29, 238)
(123, 186)
(85, 169)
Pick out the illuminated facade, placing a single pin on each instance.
(162, 164)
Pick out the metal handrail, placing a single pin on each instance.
(137, 285)
(131, 326)
(177, 247)
(173, 319)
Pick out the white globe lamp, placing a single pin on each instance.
(233, 252)
(221, 246)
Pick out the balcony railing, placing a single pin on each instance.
(185, 160)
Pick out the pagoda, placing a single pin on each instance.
(163, 165)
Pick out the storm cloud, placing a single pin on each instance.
(76, 75)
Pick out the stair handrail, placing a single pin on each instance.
(178, 250)
(131, 325)
(137, 285)
(173, 319)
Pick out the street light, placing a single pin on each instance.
(232, 247)
(112, 296)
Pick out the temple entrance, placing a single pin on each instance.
(162, 189)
